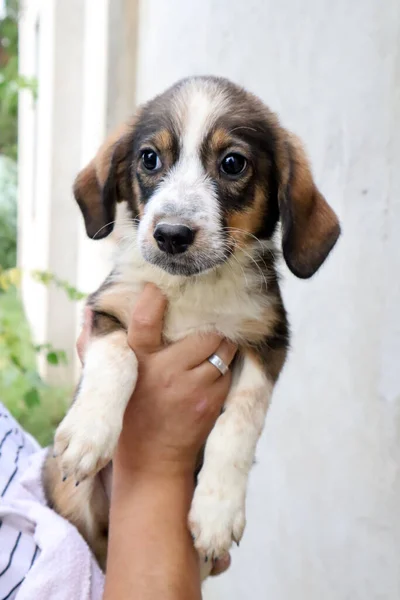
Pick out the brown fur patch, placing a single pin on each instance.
(220, 139)
(103, 324)
(163, 140)
(77, 503)
(110, 307)
(97, 208)
(256, 331)
(112, 303)
(87, 192)
(310, 226)
(248, 221)
(270, 360)
(137, 195)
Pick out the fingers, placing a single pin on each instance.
(208, 372)
(219, 392)
(192, 350)
(145, 329)
(208, 405)
(84, 336)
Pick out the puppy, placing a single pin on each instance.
(206, 172)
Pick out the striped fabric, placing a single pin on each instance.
(18, 550)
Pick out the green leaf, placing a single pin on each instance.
(52, 358)
(40, 347)
(32, 397)
(33, 378)
(62, 357)
(47, 278)
(15, 360)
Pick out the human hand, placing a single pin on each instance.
(178, 396)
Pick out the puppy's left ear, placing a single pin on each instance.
(310, 228)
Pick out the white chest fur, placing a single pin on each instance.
(232, 299)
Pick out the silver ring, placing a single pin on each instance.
(215, 360)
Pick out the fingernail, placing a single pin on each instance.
(64, 477)
(77, 483)
(206, 559)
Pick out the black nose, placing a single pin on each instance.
(173, 239)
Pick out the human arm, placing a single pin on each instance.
(176, 402)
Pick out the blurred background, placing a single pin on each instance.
(323, 508)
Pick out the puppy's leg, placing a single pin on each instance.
(217, 515)
(86, 506)
(87, 437)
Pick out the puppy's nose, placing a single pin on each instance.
(173, 239)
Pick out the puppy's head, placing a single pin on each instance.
(205, 169)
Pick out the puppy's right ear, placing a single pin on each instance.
(104, 182)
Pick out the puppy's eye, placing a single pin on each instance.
(151, 160)
(233, 164)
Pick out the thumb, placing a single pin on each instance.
(145, 329)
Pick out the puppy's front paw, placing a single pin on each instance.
(84, 443)
(217, 518)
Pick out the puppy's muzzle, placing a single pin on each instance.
(172, 238)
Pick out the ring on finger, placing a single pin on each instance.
(218, 363)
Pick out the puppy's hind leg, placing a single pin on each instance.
(86, 506)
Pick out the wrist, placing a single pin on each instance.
(151, 494)
(154, 464)
(131, 476)
(149, 535)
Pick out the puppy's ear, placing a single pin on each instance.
(310, 228)
(104, 182)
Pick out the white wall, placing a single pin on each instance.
(49, 144)
(108, 61)
(81, 52)
(323, 510)
(109, 81)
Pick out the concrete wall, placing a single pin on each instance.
(323, 510)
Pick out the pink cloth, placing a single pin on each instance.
(65, 569)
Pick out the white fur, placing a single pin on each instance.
(217, 515)
(222, 299)
(200, 110)
(87, 437)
